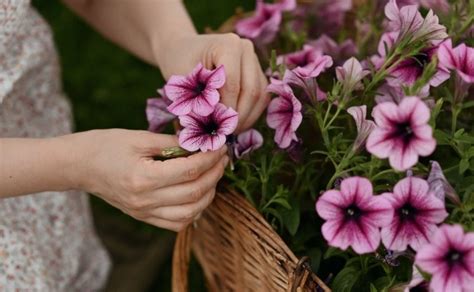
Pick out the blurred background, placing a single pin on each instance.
(108, 88)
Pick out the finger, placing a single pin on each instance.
(229, 55)
(183, 169)
(260, 105)
(166, 224)
(250, 83)
(189, 192)
(186, 212)
(153, 144)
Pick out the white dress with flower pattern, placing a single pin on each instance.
(47, 240)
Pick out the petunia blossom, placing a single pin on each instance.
(411, 25)
(302, 58)
(364, 126)
(196, 92)
(284, 113)
(330, 47)
(440, 186)
(353, 215)
(351, 73)
(449, 258)
(263, 26)
(416, 213)
(207, 132)
(402, 132)
(459, 59)
(409, 70)
(157, 114)
(247, 142)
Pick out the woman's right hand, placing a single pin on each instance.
(118, 166)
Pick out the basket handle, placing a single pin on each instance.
(181, 258)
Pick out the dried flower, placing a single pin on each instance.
(207, 132)
(440, 186)
(351, 74)
(353, 215)
(402, 132)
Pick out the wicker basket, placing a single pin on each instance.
(239, 251)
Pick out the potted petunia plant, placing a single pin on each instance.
(364, 160)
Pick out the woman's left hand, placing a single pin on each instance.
(245, 85)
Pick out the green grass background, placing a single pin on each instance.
(108, 88)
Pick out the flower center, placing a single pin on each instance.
(353, 212)
(211, 128)
(422, 59)
(407, 212)
(200, 86)
(453, 257)
(404, 131)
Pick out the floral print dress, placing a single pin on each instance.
(47, 240)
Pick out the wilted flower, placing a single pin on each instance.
(364, 126)
(402, 132)
(264, 24)
(353, 215)
(284, 113)
(449, 258)
(416, 213)
(351, 74)
(460, 59)
(247, 142)
(337, 51)
(157, 113)
(295, 150)
(440, 186)
(411, 25)
(196, 92)
(309, 85)
(209, 132)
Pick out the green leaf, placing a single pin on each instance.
(372, 288)
(291, 217)
(442, 138)
(332, 251)
(315, 254)
(346, 279)
(463, 165)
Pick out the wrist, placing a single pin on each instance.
(72, 160)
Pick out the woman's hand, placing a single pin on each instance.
(118, 166)
(245, 85)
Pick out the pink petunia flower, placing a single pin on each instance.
(351, 73)
(263, 26)
(364, 126)
(449, 258)
(402, 132)
(337, 51)
(460, 59)
(302, 58)
(196, 92)
(416, 213)
(407, 72)
(315, 65)
(440, 186)
(410, 24)
(209, 132)
(157, 114)
(353, 215)
(247, 142)
(284, 113)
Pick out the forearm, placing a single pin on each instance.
(140, 26)
(35, 165)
